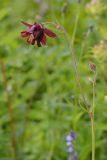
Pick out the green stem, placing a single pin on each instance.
(10, 111)
(76, 24)
(75, 65)
(93, 135)
(92, 119)
(74, 60)
(94, 84)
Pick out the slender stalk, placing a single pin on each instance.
(92, 119)
(10, 110)
(74, 60)
(94, 84)
(76, 24)
(75, 65)
(93, 135)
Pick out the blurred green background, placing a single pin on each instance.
(39, 97)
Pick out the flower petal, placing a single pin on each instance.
(43, 41)
(50, 33)
(38, 43)
(27, 24)
(31, 29)
(69, 138)
(31, 39)
(37, 35)
(25, 34)
(70, 149)
(73, 135)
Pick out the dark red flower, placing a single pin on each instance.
(36, 33)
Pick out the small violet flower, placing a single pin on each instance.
(36, 33)
(70, 138)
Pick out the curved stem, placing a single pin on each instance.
(75, 65)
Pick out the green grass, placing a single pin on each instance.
(41, 82)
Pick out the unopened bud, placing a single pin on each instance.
(92, 66)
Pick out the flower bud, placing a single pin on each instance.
(92, 66)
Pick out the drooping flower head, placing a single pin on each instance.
(36, 33)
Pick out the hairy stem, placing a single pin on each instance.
(10, 110)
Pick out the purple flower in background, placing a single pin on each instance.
(70, 149)
(70, 138)
(73, 135)
(75, 156)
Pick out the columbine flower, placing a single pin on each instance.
(70, 138)
(37, 33)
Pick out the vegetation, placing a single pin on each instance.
(41, 96)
